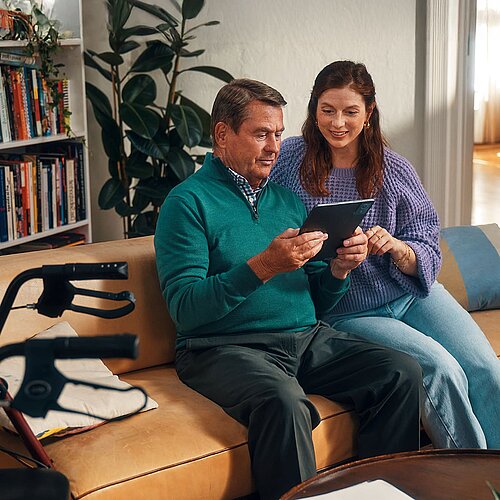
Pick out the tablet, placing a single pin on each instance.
(339, 220)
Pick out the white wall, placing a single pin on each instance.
(285, 43)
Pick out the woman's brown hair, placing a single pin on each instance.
(317, 162)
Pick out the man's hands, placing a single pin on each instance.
(287, 252)
(351, 255)
(291, 250)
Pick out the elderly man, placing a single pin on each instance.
(236, 276)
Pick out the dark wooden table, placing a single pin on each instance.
(423, 475)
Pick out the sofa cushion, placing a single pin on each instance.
(471, 265)
(188, 446)
(489, 322)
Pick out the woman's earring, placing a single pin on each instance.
(366, 124)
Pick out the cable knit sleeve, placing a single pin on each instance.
(417, 224)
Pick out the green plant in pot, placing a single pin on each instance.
(148, 143)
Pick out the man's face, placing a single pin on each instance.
(253, 150)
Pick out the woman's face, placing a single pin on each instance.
(341, 114)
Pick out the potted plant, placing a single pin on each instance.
(147, 142)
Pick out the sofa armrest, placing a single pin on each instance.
(471, 265)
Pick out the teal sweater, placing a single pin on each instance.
(205, 234)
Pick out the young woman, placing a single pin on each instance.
(394, 298)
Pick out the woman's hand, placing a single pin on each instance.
(403, 256)
(351, 255)
(380, 242)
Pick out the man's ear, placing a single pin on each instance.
(220, 134)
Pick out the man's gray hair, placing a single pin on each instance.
(230, 105)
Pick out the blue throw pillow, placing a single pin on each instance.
(474, 252)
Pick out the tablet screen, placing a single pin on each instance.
(339, 220)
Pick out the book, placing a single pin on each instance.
(50, 242)
(4, 112)
(9, 203)
(70, 180)
(36, 102)
(20, 59)
(3, 214)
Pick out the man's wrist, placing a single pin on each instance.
(257, 265)
(338, 273)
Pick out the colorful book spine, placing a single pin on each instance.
(36, 102)
(4, 235)
(26, 102)
(4, 112)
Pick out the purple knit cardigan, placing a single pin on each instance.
(402, 207)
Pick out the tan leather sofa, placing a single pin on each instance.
(188, 448)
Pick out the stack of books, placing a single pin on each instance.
(41, 191)
(27, 109)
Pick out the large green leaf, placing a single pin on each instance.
(140, 89)
(123, 209)
(195, 53)
(143, 225)
(156, 11)
(111, 194)
(111, 139)
(140, 202)
(111, 58)
(181, 163)
(204, 117)
(113, 168)
(92, 63)
(141, 120)
(188, 124)
(209, 23)
(138, 168)
(140, 30)
(100, 104)
(155, 188)
(128, 46)
(191, 8)
(118, 13)
(212, 71)
(157, 55)
(157, 147)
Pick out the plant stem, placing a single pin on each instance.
(122, 174)
(175, 73)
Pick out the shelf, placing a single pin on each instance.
(70, 56)
(49, 232)
(65, 42)
(38, 140)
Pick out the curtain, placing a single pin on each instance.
(487, 73)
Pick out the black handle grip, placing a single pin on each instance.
(103, 270)
(124, 345)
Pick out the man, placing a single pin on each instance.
(235, 274)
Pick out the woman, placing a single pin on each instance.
(394, 298)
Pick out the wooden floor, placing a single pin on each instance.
(486, 184)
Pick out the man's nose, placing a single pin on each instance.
(273, 144)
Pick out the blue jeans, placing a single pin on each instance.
(461, 404)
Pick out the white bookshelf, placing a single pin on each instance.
(71, 55)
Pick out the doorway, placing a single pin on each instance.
(486, 153)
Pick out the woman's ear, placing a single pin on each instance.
(370, 111)
(220, 134)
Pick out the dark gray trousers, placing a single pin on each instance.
(261, 380)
